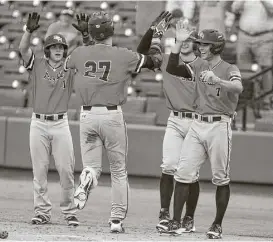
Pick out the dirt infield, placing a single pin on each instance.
(249, 216)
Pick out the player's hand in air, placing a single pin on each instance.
(33, 22)
(182, 31)
(161, 24)
(209, 77)
(82, 25)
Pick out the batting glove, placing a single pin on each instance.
(161, 24)
(82, 26)
(33, 22)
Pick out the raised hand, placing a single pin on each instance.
(33, 22)
(161, 24)
(82, 25)
(182, 30)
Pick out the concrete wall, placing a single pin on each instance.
(251, 158)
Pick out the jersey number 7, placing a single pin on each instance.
(94, 68)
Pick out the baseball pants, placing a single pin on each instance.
(175, 133)
(100, 127)
(206, 141)
(46, 138)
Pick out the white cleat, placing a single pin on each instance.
(87, 182)
(116, 226)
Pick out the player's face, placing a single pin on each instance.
(66, 19)
(205, 51)
(187, 47)
(56, 52)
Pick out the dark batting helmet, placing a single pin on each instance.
(100, 26)
(214, 37)
(53, 40)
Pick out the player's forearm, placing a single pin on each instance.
(87, 40)
(174, 68)
(145, 42)
(154, 58)
(25, 43)
(231, 86)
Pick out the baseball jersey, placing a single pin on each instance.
(180, 91)
(51, 88)
(103, 73)
(215, 100)
(188, 73)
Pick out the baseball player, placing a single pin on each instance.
(180, 93)
(103, 72)
(49, 129)
(209, 137)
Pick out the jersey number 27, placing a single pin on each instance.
(94, 68)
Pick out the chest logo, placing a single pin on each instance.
(54, 79)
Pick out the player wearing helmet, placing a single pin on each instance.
(179, 93)
(102, 77)
(51, 88)
(218, 85)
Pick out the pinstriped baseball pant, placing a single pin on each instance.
(100, 128)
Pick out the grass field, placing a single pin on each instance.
(249, 215)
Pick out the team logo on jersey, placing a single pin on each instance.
(58, 38)
(201, 35)
(54, 80)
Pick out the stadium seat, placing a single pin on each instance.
(12, 31)
(134, 105)
(264, 124)
(26, 7)
(12, 97)
(140, 118)
(127, 6)
(158, 106)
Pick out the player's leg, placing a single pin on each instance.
(40, 149)
(192, 156)
(114, 133)
(219, 149)
(91, 152)
(63, 153)
(172, 144)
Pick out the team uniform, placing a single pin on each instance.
(51, 89)
(101, 81)
(209, 136)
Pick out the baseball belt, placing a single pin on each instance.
(53, 117)
(88, 108)
(208, 119)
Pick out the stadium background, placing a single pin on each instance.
(146, 115)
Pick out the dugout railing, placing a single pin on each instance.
(251, 96)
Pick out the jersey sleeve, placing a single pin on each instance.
(135, 61)
(234, 73)
(69, 62)
(29, 65)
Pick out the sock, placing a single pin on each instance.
(222, 199)
(181, 193)
(166, 190)
(192, 199)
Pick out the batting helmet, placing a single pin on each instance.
(100, 26)
(53, 40)
(214, 37)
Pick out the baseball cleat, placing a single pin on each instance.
(188, 225)
(4, 234)
(116, 226)
(40, 219)
(164, 218)
(81, 194)
(72, 221)
(173, 228)
(215, 232)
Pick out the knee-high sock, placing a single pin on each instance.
(192, 199)
(166, 190)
